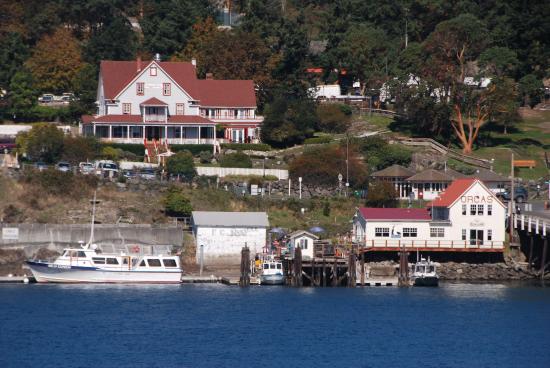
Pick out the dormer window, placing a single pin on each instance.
(153, 71)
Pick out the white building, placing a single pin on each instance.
(222, 235)
(466, 217)
(159, 100)
(305, 240)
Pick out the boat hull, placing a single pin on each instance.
(426, 281)
(45, 272)
(272, 279)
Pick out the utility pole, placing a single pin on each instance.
(347, 163)
(406, 28)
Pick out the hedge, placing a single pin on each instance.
(247, 146)
(318, 140)
(139, 149)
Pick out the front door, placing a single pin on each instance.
(476, 237)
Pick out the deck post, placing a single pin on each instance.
(324, 273)
(543, 260)
(352, 274)
(297, 267)
(335, 272)
(313, 280)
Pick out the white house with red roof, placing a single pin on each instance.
(467, 216)
(160, 100)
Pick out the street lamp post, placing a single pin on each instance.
(340, 177)
(300, 186)
(265, 159)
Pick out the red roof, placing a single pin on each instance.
(395, 214)
(453, 192)
(153, 101)
(226, 93)
(132, 119)
(210, 92)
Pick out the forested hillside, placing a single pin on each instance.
(54, 46)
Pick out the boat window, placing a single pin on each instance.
(432, 269)
(169, 263)
(153, 262)
(142, 264)
(67, 253)
(112, 261)
(81, 254)
(279, 266)
(272, 266)
(98, 260)
(125, 261)
(266, 266)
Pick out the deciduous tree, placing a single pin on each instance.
(44, 142)
(55, 61)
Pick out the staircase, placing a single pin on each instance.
(153, 149)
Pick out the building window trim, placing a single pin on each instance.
(437, 232)
(126, 108)
(473, 209)
(140, 88)
(153, 71)
(382, 232)
(480, 209)
(180, 109)
(489, 210)
(410, 232)
(166, 89)
(464, 210)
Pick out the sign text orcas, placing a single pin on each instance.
(476, 199)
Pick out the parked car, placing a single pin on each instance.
(147, 174)
(40, 166)
(106, 168)
(520, 194)
(128, 174)
(86, 168)
(46, 98)
(63, 166)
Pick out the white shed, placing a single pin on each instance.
(305, 240)
(223, 234)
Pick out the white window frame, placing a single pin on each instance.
(464, 235)
(464, 210)
(437, 232)
(489, 210)
(410, 232)
(126, 108)
(140, 88)
(382, 232)
(480, 209)
(180, 109)
(473, 209)
(166, 89)
(489, 234)
(153, 71)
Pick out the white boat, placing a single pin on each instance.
(272, 272)
(425, 274)
(87, 264)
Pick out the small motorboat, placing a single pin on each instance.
(424, 273)
(272, 272)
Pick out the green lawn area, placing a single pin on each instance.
(378, 122)
(528, 140)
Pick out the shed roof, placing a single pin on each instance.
(430, 176)
(395, 214)
(488, 176)
(230, 219)
(393, 171)
(302, 232)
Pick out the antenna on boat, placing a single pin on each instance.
(93, 221)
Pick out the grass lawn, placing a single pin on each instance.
(376, 122)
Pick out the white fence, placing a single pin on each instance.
(224, 171)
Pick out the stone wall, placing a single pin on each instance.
(31, 237)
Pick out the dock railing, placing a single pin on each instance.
(452, 245)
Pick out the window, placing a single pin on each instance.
(464, 210)
(127, 108)
(489, 209)
(266, 266)
(153, 262)
(153, 71)
(480, 209)
(279, 266)
(382, 231)
(169, 263)
(473, 209)
(80, 254)
(142, 264)
(489, 234)
(180, 109)
(463, 234)
(437, 232)
(112, 261)
(303, 243)
(409, 232)
(166, 89)
(140, 88)
(98, 260)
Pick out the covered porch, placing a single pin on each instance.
(134, 133)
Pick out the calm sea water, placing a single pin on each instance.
(455, 325)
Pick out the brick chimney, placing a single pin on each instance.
(209, 76)
(138, 64)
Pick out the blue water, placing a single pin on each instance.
(455, 325)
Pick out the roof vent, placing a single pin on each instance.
(194, 62)
(157, 57)
(209, 76)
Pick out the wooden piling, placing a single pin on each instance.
(313, 279)
(363, 268)
(335, 273)
(244, 280)
(352, 269)
(324, 274)
(531, 246)
(297, 275)
(543, 260)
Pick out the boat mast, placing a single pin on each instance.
(93, 221)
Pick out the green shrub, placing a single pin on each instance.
(176, 203)
(237, 159)
(195, 149)
(333, 118)
(59, 183)
(206, 157)
(136, 149)
(181, 164)
(319, 140)
(381, 194)
(247, 146)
